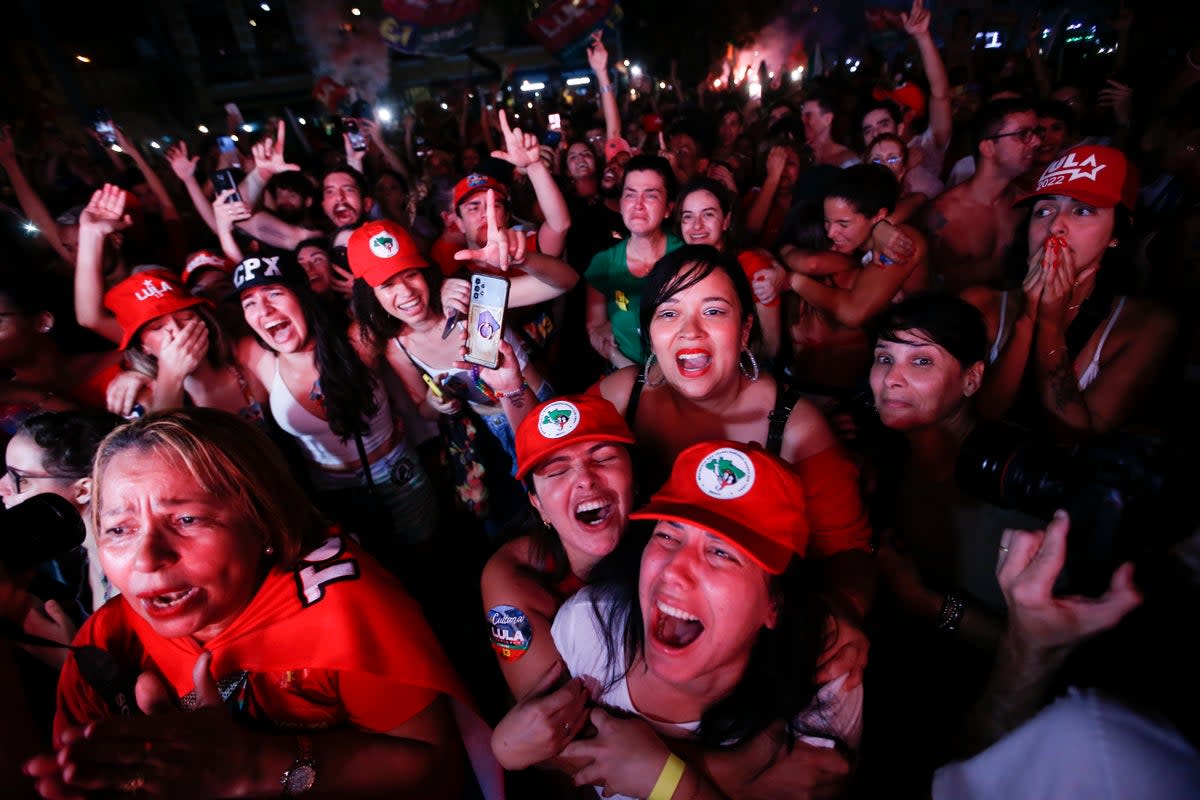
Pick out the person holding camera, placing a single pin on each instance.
(936, 622)
(1133, 731)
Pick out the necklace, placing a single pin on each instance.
(316, 395)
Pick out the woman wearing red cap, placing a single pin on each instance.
(171, 339)
(1090, 350)
(702, 381)
(398, 304)
(711, 632)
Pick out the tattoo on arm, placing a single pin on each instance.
(1063, 387)
(518, 401)
(937, 220)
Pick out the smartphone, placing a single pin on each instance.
(224, 179)
(226, 144)
(357, 140)
(485, 319)
(433, 386)
(102, 123)
(555, 121)
(551, 138)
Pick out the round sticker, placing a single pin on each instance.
(558, 419)
(383, 245)
(725, 474)
(511, 632)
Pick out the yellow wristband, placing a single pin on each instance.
(668, 779)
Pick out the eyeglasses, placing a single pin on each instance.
(1025, 135)
(889, 160)
(17, 477)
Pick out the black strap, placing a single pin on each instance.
(635, 396)
(362, 459)
(785, 401)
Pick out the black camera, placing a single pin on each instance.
(1120, 490)
(43, 527)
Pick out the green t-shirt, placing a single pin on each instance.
(609, 274)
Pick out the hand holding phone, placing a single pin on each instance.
(485, 319)
(358, 140)
(103, 125)
(224, 180)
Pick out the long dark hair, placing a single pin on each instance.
(375, 323)
(347, 384)
(682, 269)
(779, 679)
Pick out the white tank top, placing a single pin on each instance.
(321, 445)
(1093, 368)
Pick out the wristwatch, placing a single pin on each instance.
(302, 774)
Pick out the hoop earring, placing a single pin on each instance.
(751, 373)
(650, 362)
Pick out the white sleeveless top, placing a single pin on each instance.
(324, 448)
(1093, 368)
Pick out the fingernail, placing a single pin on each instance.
(1060, 514)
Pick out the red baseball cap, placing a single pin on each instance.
(614, 146)
(741, 493)
(1099, 176)
(378, 250)
(564, 421)
(478, 182)
(144, 296)
(202, 260)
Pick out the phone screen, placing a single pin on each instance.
(108, 135)
(551, 138)
(226, 144)
(555, 121)
(485, 319)
(224, 179)
(357, 140)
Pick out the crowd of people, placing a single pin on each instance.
(744, 507)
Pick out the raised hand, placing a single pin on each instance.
(105, 212)
(1027, 566)
(181, 165)
(1119, 97)
(916, 21)
(268, 154)
(504, 245)
(520, 149)
(597, 53)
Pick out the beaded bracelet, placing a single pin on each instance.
(950, 617)
(515, 393)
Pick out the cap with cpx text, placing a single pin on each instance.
(145, 296)
(741, 493)
(268, 268)
(378, 250)
(1099, 176)
(201, 260)
(564, 421)
(478, 182)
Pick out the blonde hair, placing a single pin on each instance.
(231, 459)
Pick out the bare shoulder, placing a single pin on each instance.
(615, 387)
(1147, 320)
(807, 433)
(251, 354)
(512, 577)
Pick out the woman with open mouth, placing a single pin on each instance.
(703, 382)
(711, 632)
(331, 401)
(704, 213)
(241, 605)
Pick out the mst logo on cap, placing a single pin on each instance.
(558, 419)
(725, 474)
(1068, 168)
(384, 245)
(256, 268)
